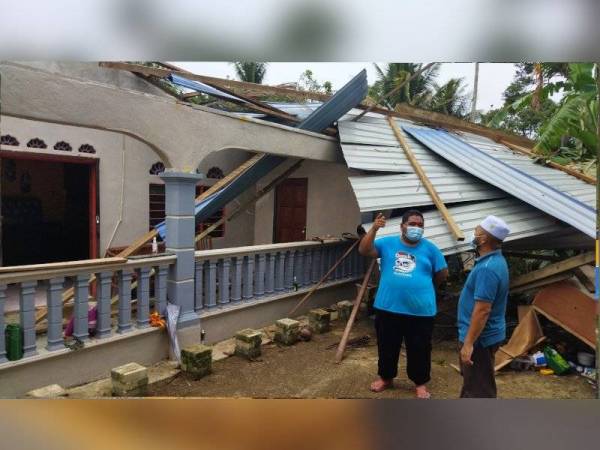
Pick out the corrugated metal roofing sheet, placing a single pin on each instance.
(562, 181)
(377, 193)
(523, 220)
(338, 105)
(510, 179)
(201, 87)
(373, 146)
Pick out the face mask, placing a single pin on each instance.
(473, 242)
(414, 234)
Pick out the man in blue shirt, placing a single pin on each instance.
(412, 268)
(482, 309)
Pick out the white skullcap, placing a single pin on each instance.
(496, 227)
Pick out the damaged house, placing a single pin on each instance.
(90, 156)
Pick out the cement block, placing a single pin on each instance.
(318, 320)
(247, 343)
(129, 380)
(50, 391)
(196, 360)
(344, 309)
(288, 331)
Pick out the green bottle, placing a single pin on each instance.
(555, 361)
(14, 341)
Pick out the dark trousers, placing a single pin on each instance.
(416, 333)
(479, 380)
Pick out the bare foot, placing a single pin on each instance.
(381, 385)
(422, 392)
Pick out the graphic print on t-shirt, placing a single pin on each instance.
(404, 263)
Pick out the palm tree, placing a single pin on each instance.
(252, 72)
(449, 98)
(414, 92)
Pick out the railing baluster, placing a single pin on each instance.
(316, 265)
(160, 289)
(143, 297)
(259, 275)
(236, 279)
(248, 278)
(27, 306)
(270, 275)
(198, 285)
(279, 271)
(103, 298)
(307, 266)
(224, 281)
(299, 268)
(210, 284)
(289, 269)
(124, 322)
(54, 290)
(2, 325)
(80, 308)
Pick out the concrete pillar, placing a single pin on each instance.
(103, 300)
(54, 291)
(180, 193)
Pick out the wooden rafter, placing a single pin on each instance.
(454, 228)
(553, 269)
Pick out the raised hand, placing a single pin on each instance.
(379, 221)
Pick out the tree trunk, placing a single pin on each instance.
(475, 86)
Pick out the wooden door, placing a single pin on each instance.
(290, 210)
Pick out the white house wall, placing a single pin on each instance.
(331, 204)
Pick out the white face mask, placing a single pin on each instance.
(472, 240)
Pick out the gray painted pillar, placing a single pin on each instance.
(103, 299)
(143, 297)
(307, 266)
(54, 290)
(160, 289)
(279, 271)
(289, 270)
(248, 278)
(259, 275)
(210, 284)
(224, 265)
(80, 308)
(180, 194)
(2, 325)
(27, 307)
(198, 285)
(124, 322)
(236, 279)
(270, 275)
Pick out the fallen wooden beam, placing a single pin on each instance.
(553, 269)
(340, 351)
(532, 153)
(542, 283)
(454, 228)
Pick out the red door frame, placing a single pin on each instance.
(93, 164)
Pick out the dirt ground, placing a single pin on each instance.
(307, 370)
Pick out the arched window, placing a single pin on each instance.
(87, 148)
(157, 167)
(36, 143)
(63, 146)
(7, 139)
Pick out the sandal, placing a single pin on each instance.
(381, 385)
(422, 393)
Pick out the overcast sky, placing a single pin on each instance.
(493, 77)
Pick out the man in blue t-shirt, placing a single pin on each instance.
(481, 310)
(412, 268)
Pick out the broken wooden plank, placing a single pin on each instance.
(553, 269)
(454, 228)
(526, 336)
(542, 283)
(570, 309)
(586, 276)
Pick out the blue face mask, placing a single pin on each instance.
(414, 234)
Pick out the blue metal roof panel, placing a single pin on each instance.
(510, 179)
(201, 87)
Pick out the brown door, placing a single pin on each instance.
(290, 210)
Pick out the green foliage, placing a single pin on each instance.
(251, 72)
(308, 83)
